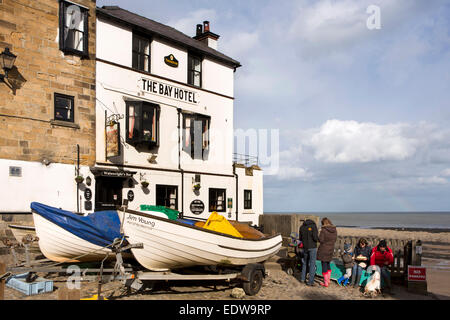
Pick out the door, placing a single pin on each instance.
(108, 193)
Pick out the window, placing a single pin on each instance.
(247, 199)
(217, 200)
(64, 110)
(73, 29)
(194, 71)
(142, 123)
(196, 135)
(141, 53)
(167, 196)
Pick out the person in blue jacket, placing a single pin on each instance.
(361, 255)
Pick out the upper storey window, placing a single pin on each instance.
(141, 53)
(194, 71)
(73, 29)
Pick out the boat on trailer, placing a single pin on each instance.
(171, 244)
(68, 237)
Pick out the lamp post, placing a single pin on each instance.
(7, 60)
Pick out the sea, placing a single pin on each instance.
(370, 220)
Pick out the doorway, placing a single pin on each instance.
(108, 193)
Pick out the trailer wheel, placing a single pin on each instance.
(254, 284)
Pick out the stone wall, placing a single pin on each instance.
(284, 224)
(30, 29)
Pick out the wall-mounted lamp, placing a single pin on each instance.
(7, 60)
(88, 181)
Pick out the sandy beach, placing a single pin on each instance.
(278, 285)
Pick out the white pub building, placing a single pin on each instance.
(164, 123)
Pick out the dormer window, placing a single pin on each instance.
(194, 71)
(141, 53)
(73, 29)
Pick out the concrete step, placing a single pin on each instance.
(272, 266)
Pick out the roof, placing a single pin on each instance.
(163, 31)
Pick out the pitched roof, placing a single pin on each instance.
(163, 31)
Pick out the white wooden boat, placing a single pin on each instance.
(67, 237)
(22, 231)
(169, 244)
(57, 244)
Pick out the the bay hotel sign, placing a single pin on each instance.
(168, 91)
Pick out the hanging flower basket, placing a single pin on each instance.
(196, 187)
(144, 184)
(79, 179)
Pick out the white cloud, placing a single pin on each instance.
(350, 141)
(293, 173)
(446, 173)
(240, 43)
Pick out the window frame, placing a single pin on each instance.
(133, 52)
(63, 5)
(191, 70)
(142, 105)
(248, 203)
(206, 125)
(165, 199)
(211, 201)
(65, 96)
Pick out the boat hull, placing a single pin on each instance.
(57, 244)
(170, 245)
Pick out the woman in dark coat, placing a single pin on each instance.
(327, 239)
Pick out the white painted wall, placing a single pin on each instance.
(161, 49)
(114, 43)
(53, 185)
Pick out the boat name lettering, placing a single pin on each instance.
(141, 220)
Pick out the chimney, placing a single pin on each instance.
(199, 30)
(206, 26)
(206, 36)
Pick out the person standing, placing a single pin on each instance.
(382, 256)
(327, 239)
(309, 236)
(361, 254)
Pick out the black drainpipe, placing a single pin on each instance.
(179, 162)
(237, 192)
(78, 173)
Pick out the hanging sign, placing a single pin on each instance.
(130, 195)
(112, 139)
(171, 61)
(197, 207)
(168, 91)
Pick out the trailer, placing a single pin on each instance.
(133, 276)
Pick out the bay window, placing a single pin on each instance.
(142, 123)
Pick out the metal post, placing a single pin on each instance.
(2, 282)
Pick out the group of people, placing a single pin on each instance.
(320, 246)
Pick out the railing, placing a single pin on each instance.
(246, 160)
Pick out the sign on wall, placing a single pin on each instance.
(197, 207)
(171, 61)
(169, 91)
(112, 139)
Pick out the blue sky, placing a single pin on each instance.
(362, 114)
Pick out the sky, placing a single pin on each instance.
(360, 99)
